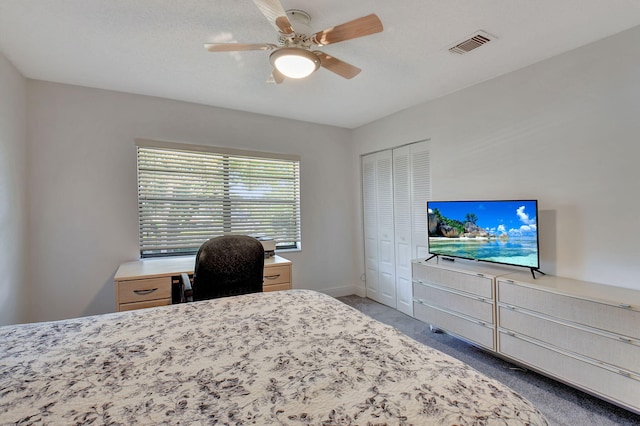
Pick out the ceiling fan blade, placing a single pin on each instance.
(275, 14)
(360, 27)
(237, 47)
(337, 66)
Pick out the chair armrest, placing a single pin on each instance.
(187, 291)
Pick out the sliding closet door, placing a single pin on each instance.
(377, 186)
(396, 185)
(411, 190)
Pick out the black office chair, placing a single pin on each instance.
(226, 266)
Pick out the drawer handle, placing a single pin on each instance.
(510, 281)
(480, 275)
(271, 277)
(624, 373)
(624, 339)
(482, 323)
(145, 292)
(482, 299)
(625, 306)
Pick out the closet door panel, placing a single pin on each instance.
(370, 219)
(402, 219)
(386, 238)
(420, 193)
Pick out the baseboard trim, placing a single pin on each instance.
(347, 290)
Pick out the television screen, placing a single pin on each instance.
(497, 231)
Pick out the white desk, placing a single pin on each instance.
(149, 282)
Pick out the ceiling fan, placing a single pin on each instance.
(293, 56)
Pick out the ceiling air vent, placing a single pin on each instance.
(473, 42)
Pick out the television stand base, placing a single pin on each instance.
(533, 270)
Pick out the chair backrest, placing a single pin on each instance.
(228, 266)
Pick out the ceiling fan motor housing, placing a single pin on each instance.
(300, 21)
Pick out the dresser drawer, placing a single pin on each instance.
(474, 331)
(615, 319)
(144, 290)
(619, 387)
(277, 275)
(476, 307)
(609, 349)
(475, 284)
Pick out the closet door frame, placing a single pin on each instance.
(396, 184)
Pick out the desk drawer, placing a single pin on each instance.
(143, 290)
(277, 275)
(142, 305)
(276, 287)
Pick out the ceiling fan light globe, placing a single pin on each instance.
(294, 62)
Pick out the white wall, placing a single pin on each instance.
(564, 131)
(83, 199)
(13, 188)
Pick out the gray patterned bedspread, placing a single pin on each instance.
(293, 357)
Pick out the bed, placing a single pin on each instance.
(291, 357)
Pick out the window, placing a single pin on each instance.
(188, 194)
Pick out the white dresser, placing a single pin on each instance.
(584, 334)
(457, 298)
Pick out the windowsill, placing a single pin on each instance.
(289, 250)
(193, 256)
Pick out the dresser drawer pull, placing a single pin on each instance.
(480, 275)
(624, 373)
(145, 292)
(482, 323)
(482, 299)
(624, 339)
(510, 281)
(625, 306)
(271, 277)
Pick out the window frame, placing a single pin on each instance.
(228, 203)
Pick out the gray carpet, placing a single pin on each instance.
(561, 404)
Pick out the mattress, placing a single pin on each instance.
(291, 357)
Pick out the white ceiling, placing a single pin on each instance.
(155, 47)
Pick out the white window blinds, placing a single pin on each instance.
(187, 196)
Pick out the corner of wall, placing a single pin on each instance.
(13, 194)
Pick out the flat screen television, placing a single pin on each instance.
(498, 231)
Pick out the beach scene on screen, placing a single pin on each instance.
(493, 231)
